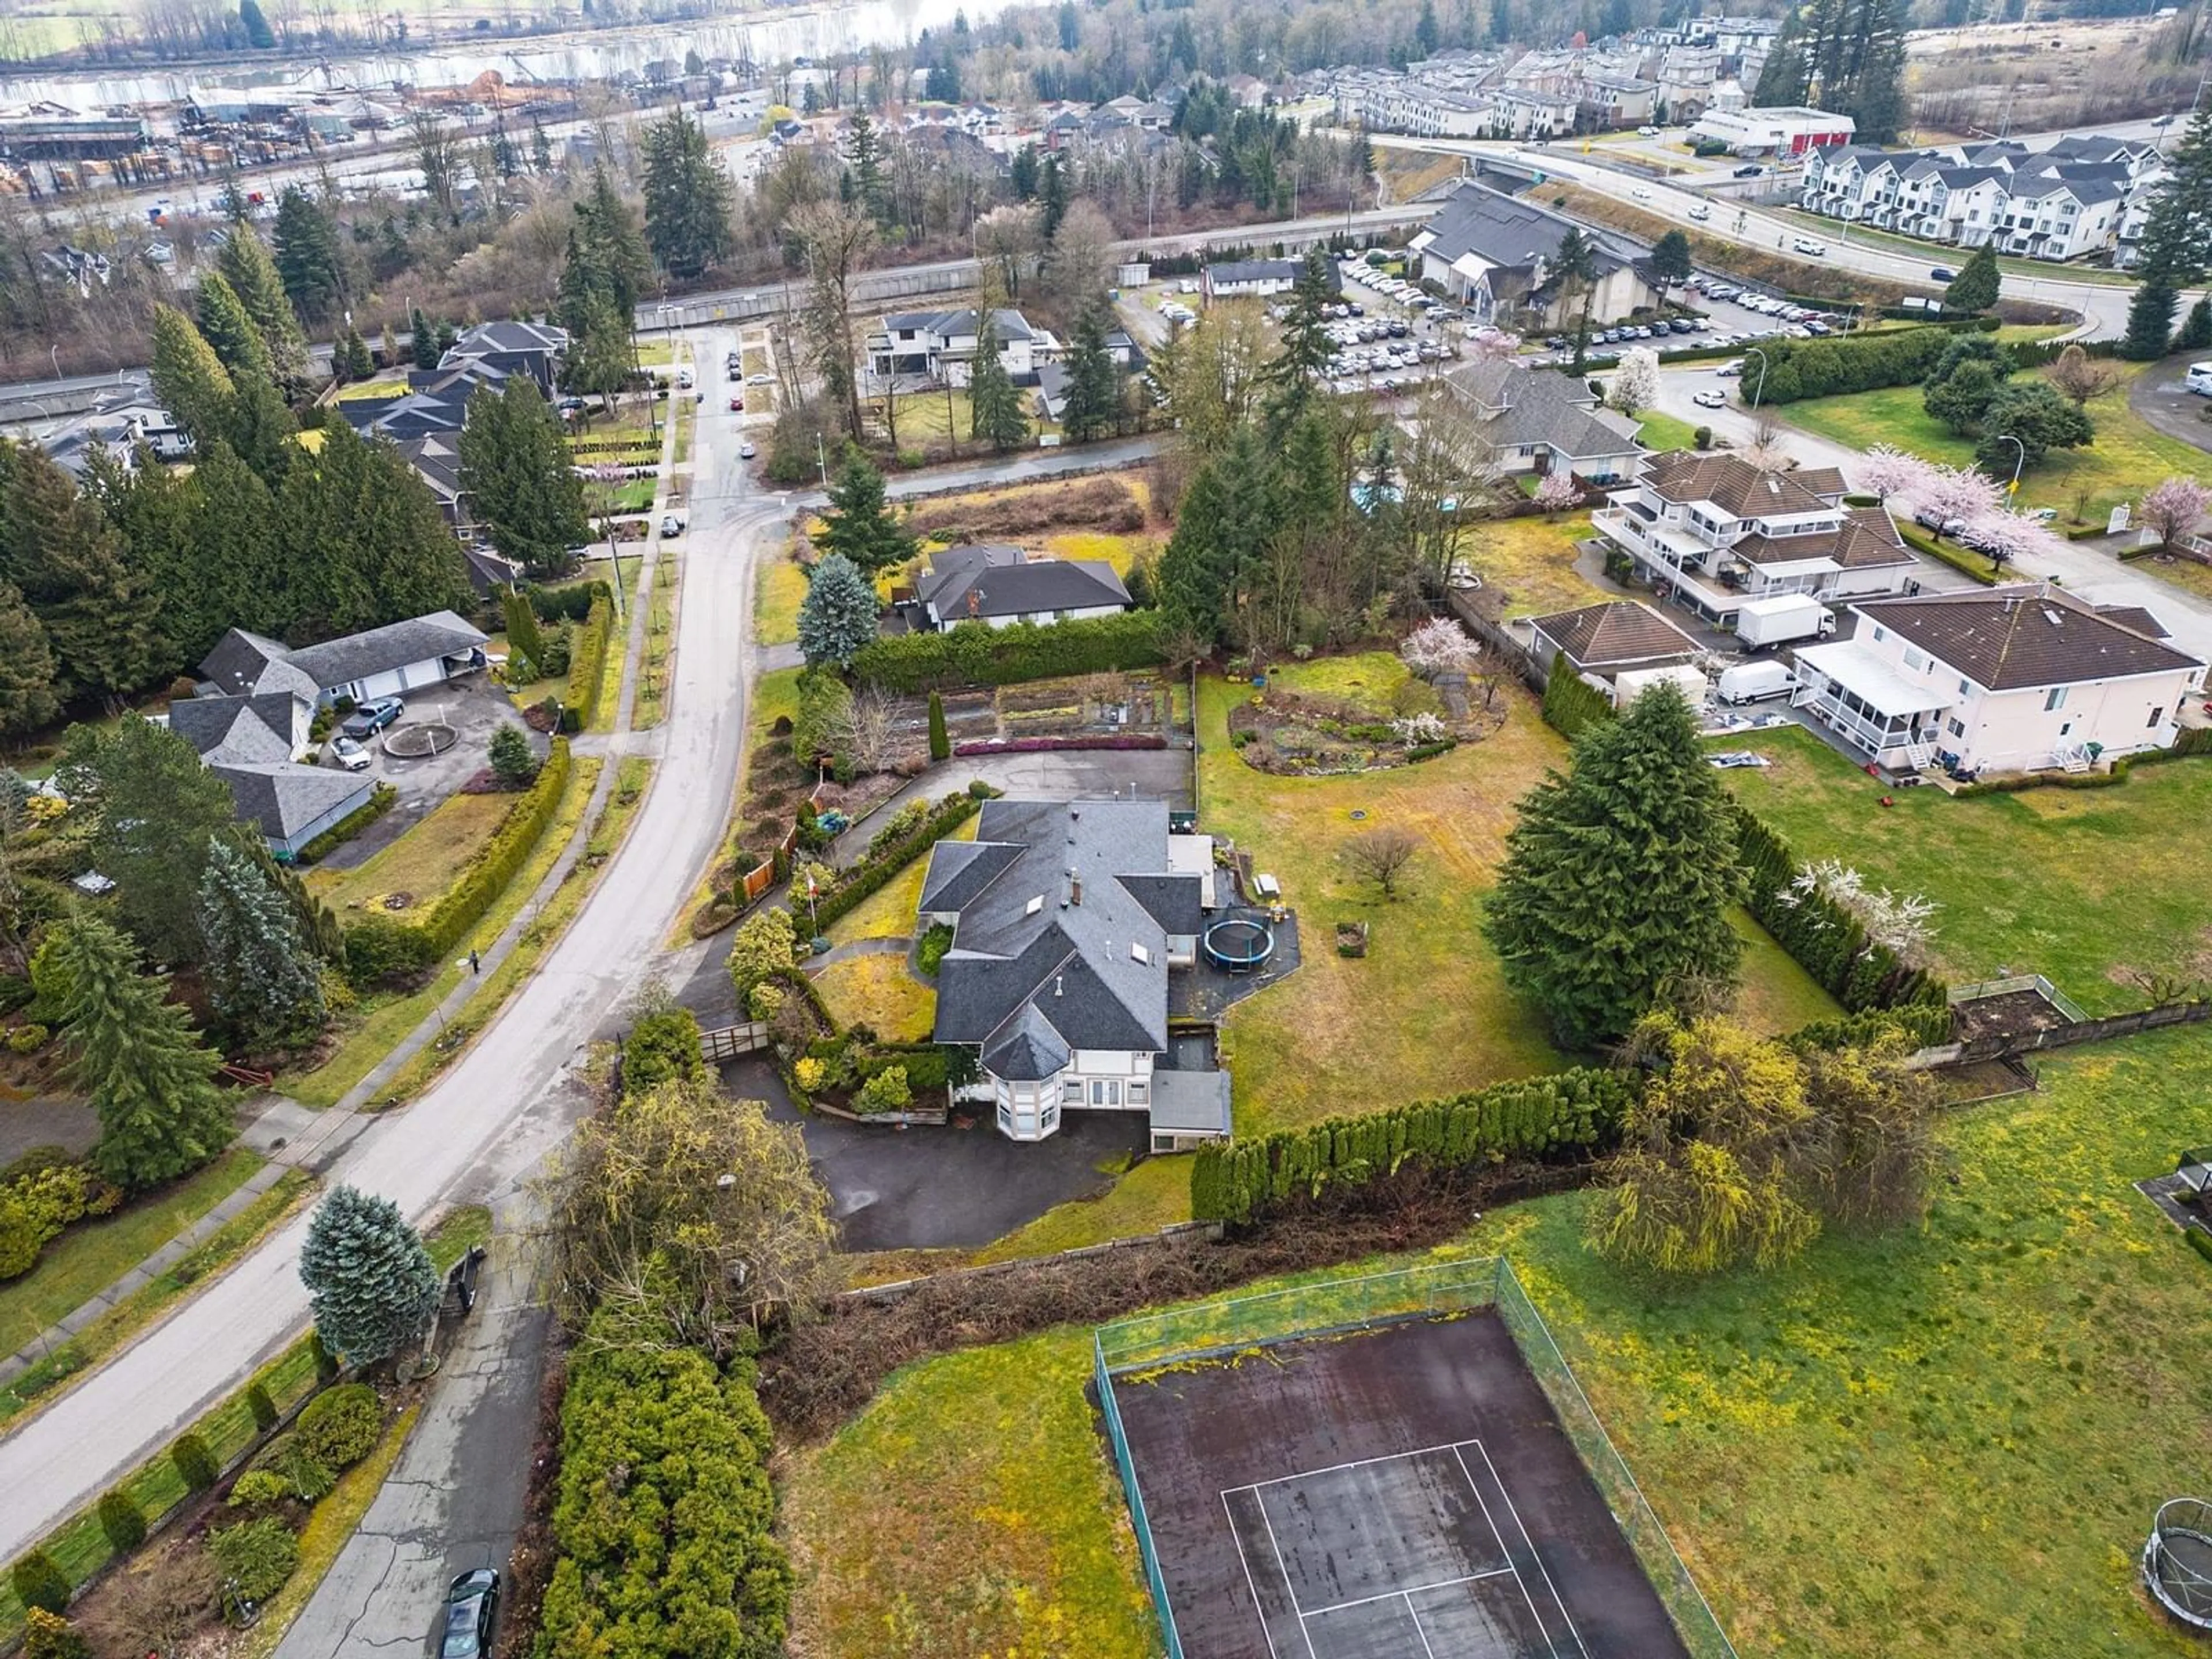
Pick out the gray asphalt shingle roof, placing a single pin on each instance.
(283, 798)
(356, 656)
(993, 579)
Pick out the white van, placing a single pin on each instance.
(2199, 379)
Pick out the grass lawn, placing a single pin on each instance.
(1119, 551)
(1152, 1195)
(779, 590)
(382, 1023)
(1913, 1445)
(659, 642)
(423, 862)
(1663, 432)
(1349, 1035)
(878, 991)
(889, 912)
(2128, 457)
(92, 1255)
(1529, 563)
(924, 416)
(774, 695)
(968, 1511)
(2078, 885)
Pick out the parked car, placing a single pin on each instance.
(1642, 193)
(1938, 523)
(737, 405)
(1647, 131)
(2199, 380)
(1942, 274)
(1727, 370)
(671, 524)
(350, 754)
(1752, 171)
(745, 451)
(371, 718)
(737, 372)
(1710, 398)
(760, 379)
(471, 1611)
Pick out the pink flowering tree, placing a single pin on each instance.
(1557, 492)
(1888, 471)
(1439, 645)
(1951, 492)
(2174, 506)
(2006, 537)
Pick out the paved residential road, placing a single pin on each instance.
(495, 1113)
(2157, 397)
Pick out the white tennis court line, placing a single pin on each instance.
(1237, 1539)
(1529, 1544)
(1282, 1570)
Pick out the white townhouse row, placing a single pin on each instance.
(2079, 196)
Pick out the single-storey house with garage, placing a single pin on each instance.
(253, 741)
(383, 662)
(2027, 678)
(1620, 646)
(1001, 586)
(1067, 918)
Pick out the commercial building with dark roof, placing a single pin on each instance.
(1067, 918)
(2021, 678)
(1495, 254)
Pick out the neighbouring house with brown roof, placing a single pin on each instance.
(2021, 678)
(1622, 648)
(1710, 531)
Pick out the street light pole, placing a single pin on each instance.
(2012, 490)
(1760, 385)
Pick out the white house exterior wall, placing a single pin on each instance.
(396, 682)
(1081, 613)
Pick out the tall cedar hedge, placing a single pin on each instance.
(587, 659)
(1241, 1180)
(1822, 937)
(1822, 369)
(378, 947)
(1571, 702)
(975, 653)
(663, 1512)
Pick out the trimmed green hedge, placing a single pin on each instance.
(1571, 703)
(2199, 1240)
(1797, 369)
(975, 653)
(381, 799)
(660, 1049)
(587, 660)
(379, 946)
(1925, 1024)
(663, 1515)
(1820, 936)
(876, 870)
(1241, 1180)
(1965, 562)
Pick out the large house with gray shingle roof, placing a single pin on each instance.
(1001, 586)
(379, 662)
(1539, 421)
(2021, 678)
(1067, 918)
(253, 741)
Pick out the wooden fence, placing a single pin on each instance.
(1516, 656)
(2005, 1045)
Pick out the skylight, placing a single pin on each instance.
(1033, 906)
(1138, 953)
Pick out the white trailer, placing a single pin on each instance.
(1754, 682)
(1761, 623)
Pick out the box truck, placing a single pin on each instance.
(1762, 622)
(1752, 681)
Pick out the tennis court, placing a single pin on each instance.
(1403, 1491)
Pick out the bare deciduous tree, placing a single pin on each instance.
(833, 238)
(1382, 856)
(865, 729)
(155, 1605)
(2080, 376)
(1077, 268)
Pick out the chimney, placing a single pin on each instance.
(1058, 983)
(975, 603)
(1075, 892)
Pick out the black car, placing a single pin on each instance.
(1751, 172)
(471, 1608)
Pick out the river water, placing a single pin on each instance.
(771, 37)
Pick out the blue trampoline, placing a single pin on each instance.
(1239, 944)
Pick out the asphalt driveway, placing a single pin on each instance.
(2158, 397)
(925, 1188)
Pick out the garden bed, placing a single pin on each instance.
(1295, 734)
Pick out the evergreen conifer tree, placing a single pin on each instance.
(1094, 400)
(859, 522)
(838, 615)
(189, 378)
(261, 975)
(371, 1282)
(136, 1060)
(245, 264)
(230, 332)
(518, 474)
(687, 196)
(2195, 329)
(308, 259)
(995, 412)
(2150, 319)
(1618, 879)
(523, 638)
(58, 550)
(232, 571)
(1975, 287)
(26, 668)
